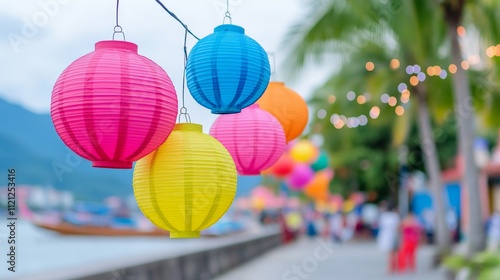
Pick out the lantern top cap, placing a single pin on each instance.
(111, 44)
(188, 127)
(230, 28)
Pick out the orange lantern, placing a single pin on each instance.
(287, 106)
(317, 189)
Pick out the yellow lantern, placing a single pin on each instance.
(187, 184)
(304, 151)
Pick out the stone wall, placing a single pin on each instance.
(201, 265)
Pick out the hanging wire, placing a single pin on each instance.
(184, 111)
(228, 15)
(118, 29)
(177, 19)
(274, 72)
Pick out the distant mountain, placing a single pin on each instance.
(29, 143)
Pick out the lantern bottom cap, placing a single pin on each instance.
(184, 234)
(250, 173)
(226, 110)
(112, 164)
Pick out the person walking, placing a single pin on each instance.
(388, 236)
(410, 233)
(494, 232)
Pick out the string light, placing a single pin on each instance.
(375, 112)
(392, 101)
(351, 96)
(321, 114)
(395, 63)
(385, 98)
(404, 100)
(361, 99)
(363, 120)
(443, 74)
(465, 65)
(340, 124)
(414, 81)
(402, 86)
(370, 66)
(334, 119)
(409, 69)
(405, 94)
(431, 71)
(400, 110)
(332, 99)
(416, 69)
(421, 76)
(452, 68)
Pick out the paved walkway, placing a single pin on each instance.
(319, 260)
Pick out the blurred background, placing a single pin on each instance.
(402, 137)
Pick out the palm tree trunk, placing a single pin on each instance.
(464, 113)
(433, 170)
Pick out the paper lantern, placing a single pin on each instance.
(254, 138)
(304, 151)
(318, 187)
(288, 107)
(283, 166)
(227, 70)
(113, 106)
(300, 177)
(321, 162)
(187, 184)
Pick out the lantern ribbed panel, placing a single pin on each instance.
(253, 137)
(113, 106)
(288, 107)
(187, 184)
(227, 70)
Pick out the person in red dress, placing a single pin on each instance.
(410, 234)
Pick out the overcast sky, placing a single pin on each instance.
(39, 39)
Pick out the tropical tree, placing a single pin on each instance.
(366, 32)
(483, 17)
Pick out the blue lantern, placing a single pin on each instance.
(227, 71)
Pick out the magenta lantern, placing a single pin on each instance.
(113, 106)
(301, 175)
(254, 138)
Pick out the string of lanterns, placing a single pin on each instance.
(115, 107)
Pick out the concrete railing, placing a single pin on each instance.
(204, 264)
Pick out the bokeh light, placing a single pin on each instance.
(385, 98)
(414, 81)
(392, 101)
(321, 114)
(332, 99)
(375, 112)
(400, 110)
(351, 96)
(361, 99)
(465, 65)
(395, 63)
(370, 66)
(452, 68)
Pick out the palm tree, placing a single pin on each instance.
(364, 31)
(484, 17)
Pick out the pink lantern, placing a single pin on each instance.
(254, 138)
(113, 106)
(301, 175)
